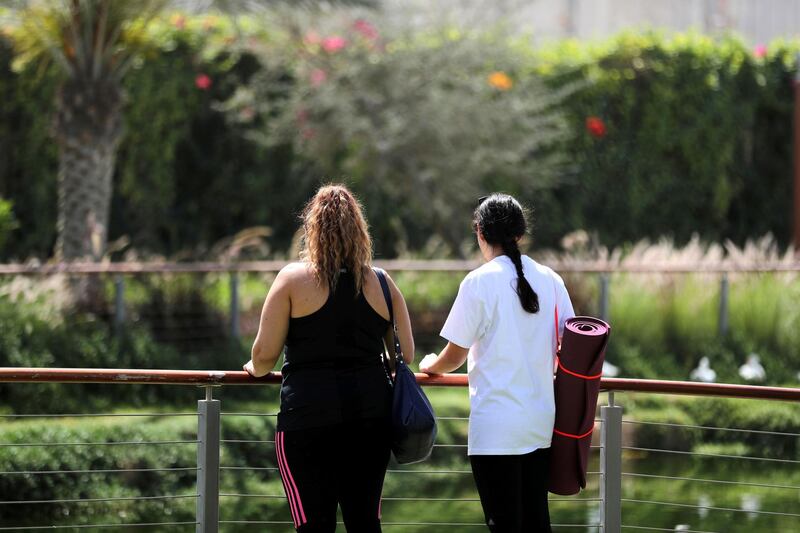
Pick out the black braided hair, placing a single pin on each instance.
(501, 221)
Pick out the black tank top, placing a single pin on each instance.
(333, 370)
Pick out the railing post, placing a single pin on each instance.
(208, 437)
(234, 305)
(724, 290)
(119, 304)
(611, 466)
(604, 280)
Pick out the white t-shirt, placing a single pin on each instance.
(511, 355)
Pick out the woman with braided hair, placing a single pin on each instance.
(329, 310)
(506, 322)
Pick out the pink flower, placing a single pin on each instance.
(760, 51)
(202, 82)
(301, 116)
(312, 38)
(333, 44)
(309, 133)
(365, 29)
(318, 77)
(179, 21)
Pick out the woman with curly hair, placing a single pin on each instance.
(332, 438)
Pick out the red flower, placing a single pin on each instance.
(333, 44)
(596, 127)
(202, 82)
(366, 29)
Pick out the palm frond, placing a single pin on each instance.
(86, 38)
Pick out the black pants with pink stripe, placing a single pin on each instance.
(342, 465)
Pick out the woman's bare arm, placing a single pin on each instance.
(451, 358)
(273, 327)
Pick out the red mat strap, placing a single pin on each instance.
(558, 343)
(571, 373)
(571, 436)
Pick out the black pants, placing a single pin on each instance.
(513, 491)
(338, 465)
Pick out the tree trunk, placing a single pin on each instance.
(88, 128)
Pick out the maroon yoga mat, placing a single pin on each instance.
(577, 384)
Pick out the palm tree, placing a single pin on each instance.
(94, 42)
(90, 40)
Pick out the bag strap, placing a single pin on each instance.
(387, 295)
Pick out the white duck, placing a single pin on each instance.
(610, 370)
(752, 504)
(703, 372)
(703, 503)
(752, 369)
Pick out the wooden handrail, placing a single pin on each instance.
(237, 377)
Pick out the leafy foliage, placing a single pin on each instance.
(664, 135)
(420, 126)
(7, 221)
(696, 138)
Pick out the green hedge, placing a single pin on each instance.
(262, 477)
(697, 139)
(101, 457)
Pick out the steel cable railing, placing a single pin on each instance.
(109, 465)
(707, 512)
(458, 471)
(99, 526)
(236, 479)
(717, 455)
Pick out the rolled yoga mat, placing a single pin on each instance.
(577, 384)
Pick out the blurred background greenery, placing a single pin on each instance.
(233, 123)
(642, 148)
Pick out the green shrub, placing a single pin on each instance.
(697, 137)
(7, 222)
(98, 485)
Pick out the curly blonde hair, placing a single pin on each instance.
(336, 236)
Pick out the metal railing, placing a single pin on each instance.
(601, 269)
(605, 510)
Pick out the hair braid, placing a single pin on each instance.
(527, 296)
(501, 221)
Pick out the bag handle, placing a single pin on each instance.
(387, 295)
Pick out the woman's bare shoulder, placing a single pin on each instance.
(296, 273)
